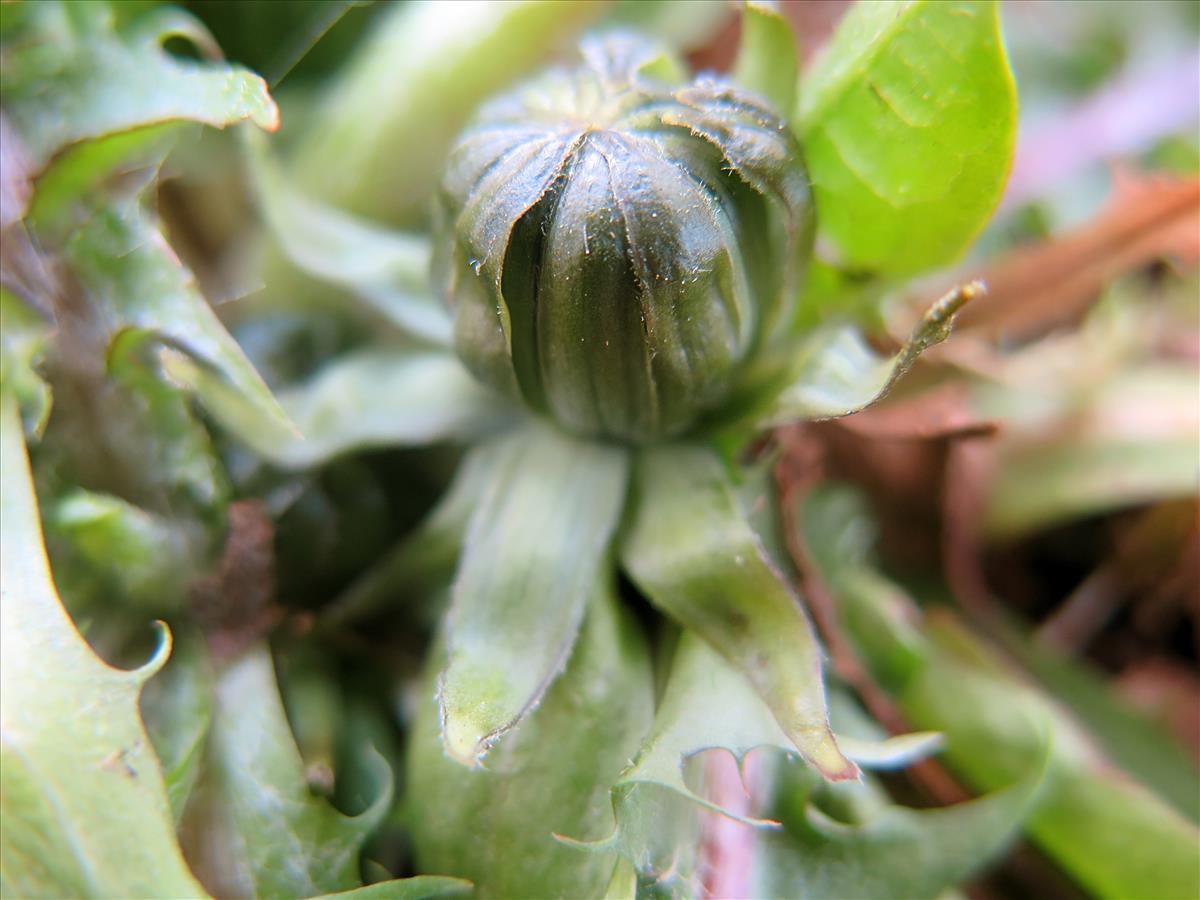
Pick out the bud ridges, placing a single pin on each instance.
(616, 247)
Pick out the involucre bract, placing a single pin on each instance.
(615, 246)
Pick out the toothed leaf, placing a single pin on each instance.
(896, 854)
(84, 806)
(110, 78)
(265, 833)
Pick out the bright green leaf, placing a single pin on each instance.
(908, 120)
(497, 825)
(107, 79)
(84, 807)
(535, 547)
(687, 546)
(265, 834)
(766, 62)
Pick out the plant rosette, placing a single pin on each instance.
(622, 264)
(625, 294)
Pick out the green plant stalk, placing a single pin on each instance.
(994, 724)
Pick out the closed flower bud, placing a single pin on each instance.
(616, 247)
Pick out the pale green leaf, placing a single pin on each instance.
(380, 138)
(839, 537)
(177, 707)
(1133, 440)
(23, 336)
(737, 721)
(365, 399)
(420, 887)
(161, 450)
(261, 831)
(535, 547)
(623, 885)
(98, 97)
(386, 270)
(128, 554)
(497, 825)
(1114, 836)
(908, 119)
(658, 828)
(891, 753)
(316, 708)
(84, 807)
(679, 24)
(833, 372)
(140, 291)
(1133, 739)
(84, 177)
(897, 853)
(687, 546)
(766, 62)
(106, 79)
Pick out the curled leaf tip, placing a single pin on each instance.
(893, 753)
(158, 659)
